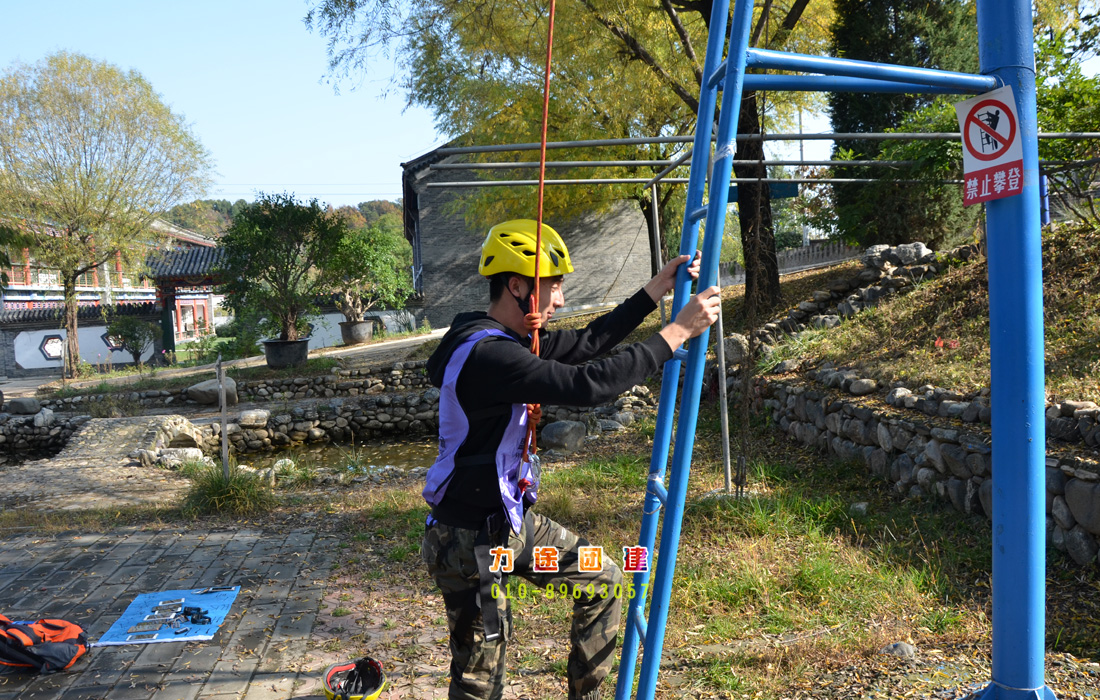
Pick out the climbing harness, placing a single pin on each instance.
(356, 680)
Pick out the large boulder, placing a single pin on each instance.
(175, 456)
(24, 406)
(43, 419)
(1081, 546)
(908, 253)
(563, 435)
(256, 418)
(1083, 499)
(875, 257)
(207, 392)
(737, 348)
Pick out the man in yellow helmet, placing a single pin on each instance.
(480, 488)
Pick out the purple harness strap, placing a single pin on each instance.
(454, 427)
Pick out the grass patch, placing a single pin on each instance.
(239, 494)
(296, 472)
(22, 520)
(897, 340)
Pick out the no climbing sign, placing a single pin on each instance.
(993, 159)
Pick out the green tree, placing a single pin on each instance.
(1068, 100)
(210, 217)
(369, 268)
(377, 208)
(352, 217)
(89, 155)
(928, 33)
(274, 255)
(620, 70)
(135, 336)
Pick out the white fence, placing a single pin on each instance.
(795, 259)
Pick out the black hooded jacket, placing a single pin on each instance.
(499, 373)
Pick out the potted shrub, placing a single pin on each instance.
(273, 254)
(368, 269)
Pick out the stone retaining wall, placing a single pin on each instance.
(923, 458)
(40, 432)
(410, 414)
(402, 376)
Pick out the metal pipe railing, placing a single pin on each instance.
(651, 140)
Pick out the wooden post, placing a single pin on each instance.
(225, 421)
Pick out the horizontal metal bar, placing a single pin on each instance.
(640, 624)
(698, 213)
(672, 164)
(826, 83)
(658, 489)
(781, 60)
(817, 83)
(550, 164)
(525, 183)
(680, 354)
(672, 180)
(870, 136)
(644, 141)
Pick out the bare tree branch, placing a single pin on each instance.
(783, 32)
(765, 12)
(641, 54)
(685, 40)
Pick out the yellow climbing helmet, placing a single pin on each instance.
(510, 247)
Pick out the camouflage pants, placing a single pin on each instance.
(477, 665)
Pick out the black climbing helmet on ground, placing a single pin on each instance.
(355, 680)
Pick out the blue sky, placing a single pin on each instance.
(248, 77)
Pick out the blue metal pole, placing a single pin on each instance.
(693, 378)
(781, 60)
(1044, 201)
(1005, 48)
(670, 377)
(821, 83)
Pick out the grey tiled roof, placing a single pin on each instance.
(84, 313)
(186, 263)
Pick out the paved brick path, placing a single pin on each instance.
(94, 471)
(90, 579)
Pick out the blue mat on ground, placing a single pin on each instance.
(156, 617)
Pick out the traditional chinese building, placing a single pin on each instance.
(32, 286)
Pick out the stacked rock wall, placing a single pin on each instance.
(401, 415)
(42, 432)
(922, 454)
(400, 377)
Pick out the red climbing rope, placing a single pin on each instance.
(534, 411)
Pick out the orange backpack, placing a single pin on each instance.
(45, 646)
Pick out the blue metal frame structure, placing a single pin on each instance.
(1016, 337)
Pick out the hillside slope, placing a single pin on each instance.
(938, 333)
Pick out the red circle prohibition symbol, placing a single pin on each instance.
(1005, 142)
